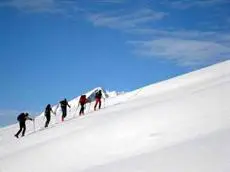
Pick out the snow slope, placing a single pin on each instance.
(178, 125)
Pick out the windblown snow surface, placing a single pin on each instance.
(178, 125)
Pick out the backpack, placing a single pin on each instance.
(47, 110)
(98, 94)
(83, 99)
(63, 103)
(20, 117)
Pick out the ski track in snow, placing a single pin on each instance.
(182, 124)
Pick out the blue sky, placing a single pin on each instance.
(52, 49)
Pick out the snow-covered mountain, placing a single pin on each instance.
(178, 125)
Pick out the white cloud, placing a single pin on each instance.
(110, 1)
(52, 6)
(173, 33)
(126, 21)
(185, 47)
(185, 52)
(184, 4)
(34, 5)
(212, 36)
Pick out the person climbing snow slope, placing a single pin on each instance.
(64, 103)
(82, 101)
(98, 96)
(22, 123)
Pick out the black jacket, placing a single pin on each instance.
(23, 117)
(48, 110)
(64, 103)
(98, 95)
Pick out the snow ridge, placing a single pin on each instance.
(181, 124)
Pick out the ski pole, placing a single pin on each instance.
(76, 110)
(34, 124)
(89, 107)
(56, 108)
(104, 102)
